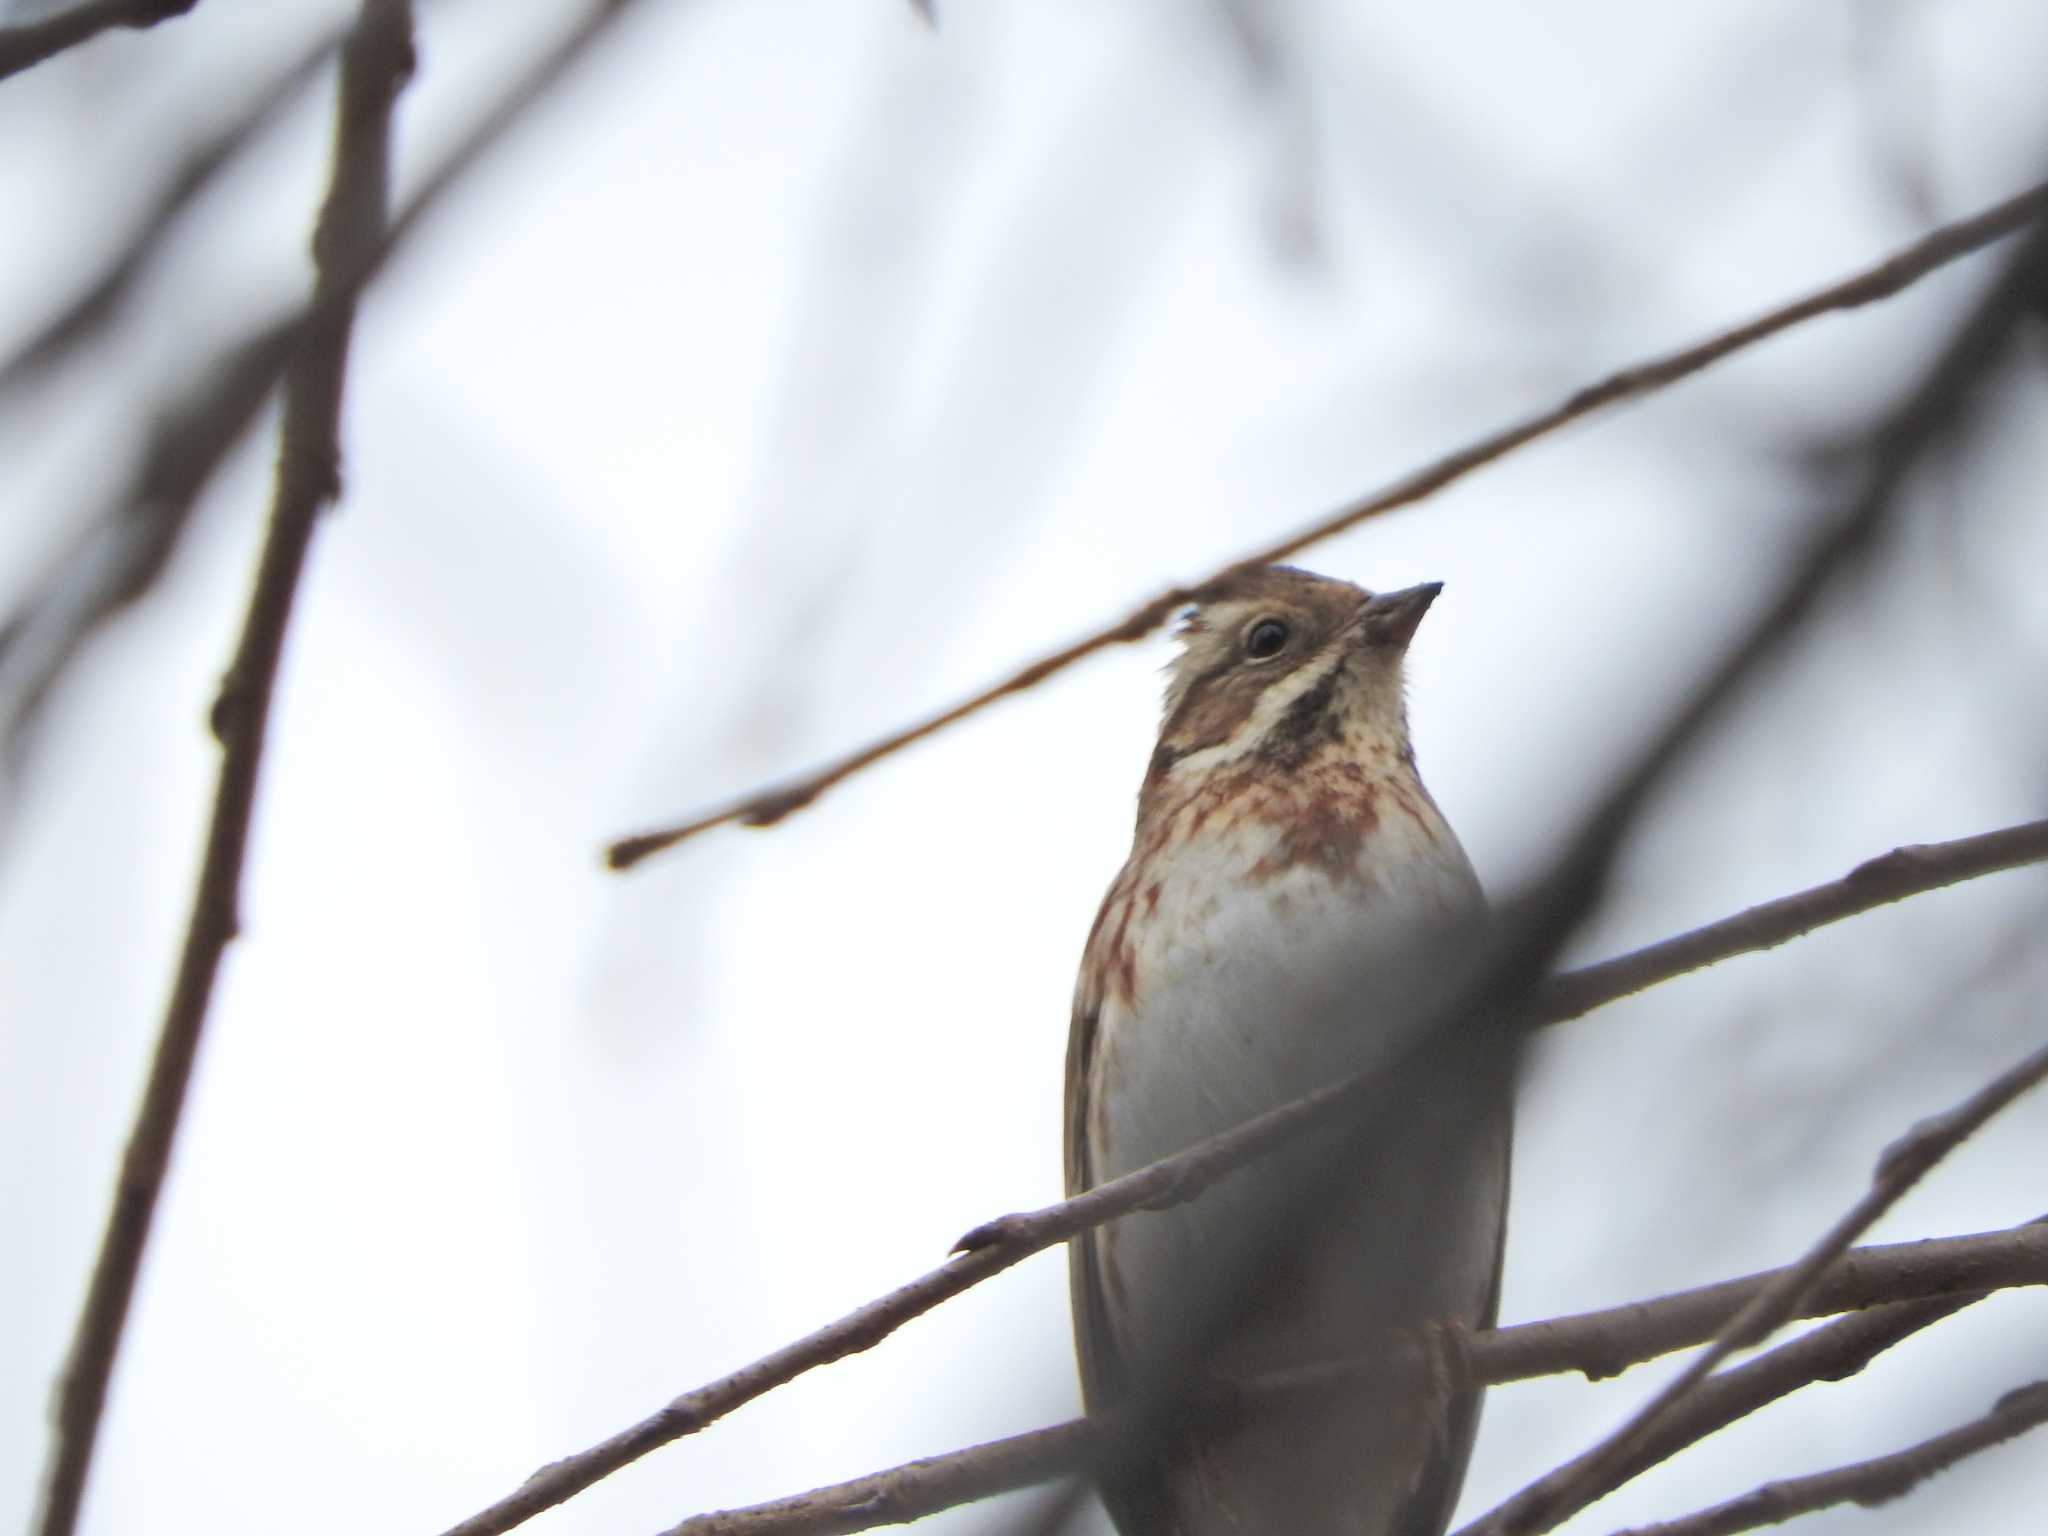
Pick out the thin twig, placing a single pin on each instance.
(1562, 1493)
(997, 1245)
(1951, 1271)
(29, 44)
(1894, 273)
(914, 1490)
(1869, 1483)
(376, 63)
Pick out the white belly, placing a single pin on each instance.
(1246, 997)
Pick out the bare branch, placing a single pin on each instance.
(1008, 1240)
(28, 45)
(1907, 871)
(1869, 1483)
(1890, 276)
(1607, 1342)
(376, 63)
(915, 1489)
(139, 531)
(1562, 1493)
(1598, 1343)
(1833, 1353)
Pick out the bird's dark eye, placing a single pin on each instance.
(1264, 639)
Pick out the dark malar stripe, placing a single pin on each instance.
(1308, 722)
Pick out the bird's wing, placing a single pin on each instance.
(1094, 1346)
(1136, 1497)
(1429, 1510)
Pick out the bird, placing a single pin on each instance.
(1293, 906)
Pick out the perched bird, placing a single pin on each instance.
(1293, 904)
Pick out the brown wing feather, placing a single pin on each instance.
(1429, 1512)
(1138, 1503)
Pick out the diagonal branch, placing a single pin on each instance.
(28, 45)
(1869, 1483)
(1009, 1240)
(1878, 882)
(376, 63)
(1563, 1492)
(1597, 1343)
(1832, 1353)
(1895, 273)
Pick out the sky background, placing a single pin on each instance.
(797, 368)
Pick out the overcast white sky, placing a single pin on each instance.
(798, 368)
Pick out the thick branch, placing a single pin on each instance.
(1869, 1483)
(1597, 1343)
(998, 1245)
(1896, 272)
(1877, 882)
(28, 45)
(375, 66)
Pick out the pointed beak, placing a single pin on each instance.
(1390, 618)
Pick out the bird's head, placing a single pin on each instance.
(1279, 670)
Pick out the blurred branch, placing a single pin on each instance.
(196, 172)
(1869, 1483)
(195, 438)
(1597, 1343)
(1566, 1490)
(1907, 871)
(376, 64)
(998, 1245)
(131, 541)
(28, 45)
(1888, 277)
(123, 549)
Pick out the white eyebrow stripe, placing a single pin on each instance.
(1272, 704)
